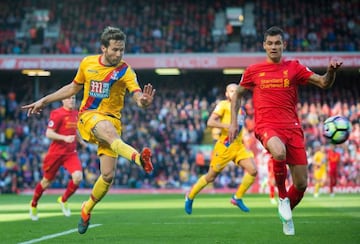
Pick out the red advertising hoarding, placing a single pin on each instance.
(182, 61)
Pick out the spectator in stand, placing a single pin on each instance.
(188, 26)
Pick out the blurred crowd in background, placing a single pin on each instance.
(175, 128)
(175, 125)
(175, 26)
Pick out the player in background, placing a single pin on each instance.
(105, 80)
(225, 152)
(274, 85)
(266, 173)
(62, 131)
(334, 158)
(319, 167)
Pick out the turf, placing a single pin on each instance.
(156, 218)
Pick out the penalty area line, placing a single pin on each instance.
(43, 238)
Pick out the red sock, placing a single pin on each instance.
(37, 194)
(272, 191)
(295, 196)
(70, 189)
(332, 183)
(280, 173)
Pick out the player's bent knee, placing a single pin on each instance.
(45, 183)
(77, 177)
(253, 172)
(108, 177)
(279, 155)
(301, 186)
(210, 178)
(276, 148)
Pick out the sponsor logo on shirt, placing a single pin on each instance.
(92, 71)
(99, 89)
(275, 82)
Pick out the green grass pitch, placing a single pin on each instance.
(160, 218)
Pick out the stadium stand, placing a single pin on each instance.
(73, 27)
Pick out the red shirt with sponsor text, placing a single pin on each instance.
(333, 160)
(275, 92)
(63, 122)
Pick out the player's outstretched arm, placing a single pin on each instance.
(64, 92)
(146, 97)
(327, 80)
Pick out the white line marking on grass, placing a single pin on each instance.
(55, 235)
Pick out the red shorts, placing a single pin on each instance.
(333, 173)
(52, 163)
(293, 140)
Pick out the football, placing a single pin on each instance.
(337, 129)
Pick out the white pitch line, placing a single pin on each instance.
(55, 235)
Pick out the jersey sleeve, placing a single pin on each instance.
(131, 81)
(219, 109)
(302, 73)
(54, 120)
(246, 79)
(80, 77)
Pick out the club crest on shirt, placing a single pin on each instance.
(286, 82)
(115, 75)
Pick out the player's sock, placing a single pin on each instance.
(272, 191)
(197, 187)
(126, 151)
(246, 182)
(295, 196)
(99, 190)
(70, 189)
(37, 194)
(316, 188)
(331, 186)
(280, 173)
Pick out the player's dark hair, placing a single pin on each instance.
(112, 33)
(273, 31)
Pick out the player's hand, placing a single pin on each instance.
(334, 64)
(35, 107)
(233, 131)
(147, 95)
(69, 139)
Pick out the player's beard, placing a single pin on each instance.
(111, 61)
